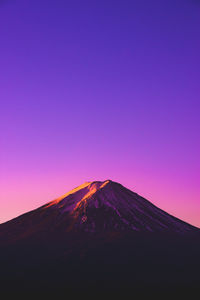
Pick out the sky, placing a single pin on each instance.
(96, 90)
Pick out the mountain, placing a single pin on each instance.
(100, 236)
(95, 207)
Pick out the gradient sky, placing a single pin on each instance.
(96, 90)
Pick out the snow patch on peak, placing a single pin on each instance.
(105, 183)
(72, 200)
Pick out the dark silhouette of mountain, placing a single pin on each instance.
(99, 237)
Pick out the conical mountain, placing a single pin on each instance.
(107, 205)
(98, 237)
(94, 207)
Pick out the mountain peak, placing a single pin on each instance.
(86, 189)
(98, 183)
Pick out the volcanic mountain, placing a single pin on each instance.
(116, 236)
(95, 207)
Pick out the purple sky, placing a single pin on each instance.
(96, 90)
